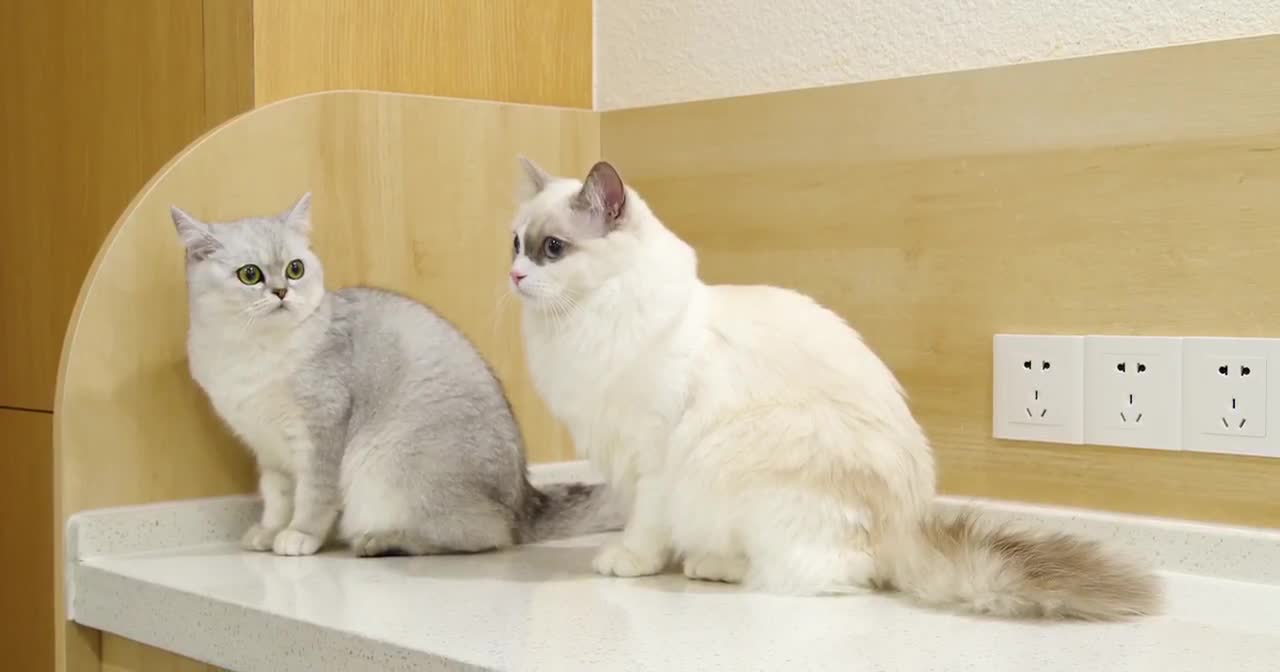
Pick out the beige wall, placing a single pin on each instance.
(668, 51)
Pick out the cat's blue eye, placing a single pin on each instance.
(553, 247)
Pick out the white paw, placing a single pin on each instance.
(258, 538)
(375, 544)
(715, 568)
(296, 542)
(618, 560)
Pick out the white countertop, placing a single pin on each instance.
(540, 608)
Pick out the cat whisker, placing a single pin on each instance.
(499, 312)
(249, 308)
(252, 312)
(560, 310)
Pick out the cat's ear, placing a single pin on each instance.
(298, 217)
(194, 234)
(533, 179)
(603, 195)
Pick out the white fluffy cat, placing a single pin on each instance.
(758, 438)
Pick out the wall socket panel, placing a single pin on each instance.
(1167, 393)
(1133, 391)
(1229, 404)
(1038, 388)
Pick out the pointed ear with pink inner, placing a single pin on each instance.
(603, 195)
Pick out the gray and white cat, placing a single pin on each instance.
(359, 404)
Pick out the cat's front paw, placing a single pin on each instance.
(296, 542)
(618, 560)
(723, 568)
(258, 538)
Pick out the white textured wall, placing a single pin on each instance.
(660, 51)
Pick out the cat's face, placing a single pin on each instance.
(252, 274)
(565, 238)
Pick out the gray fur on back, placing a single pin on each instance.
(363, 403)
(412, 412)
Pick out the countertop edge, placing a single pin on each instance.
(225, 634)
(229, 634)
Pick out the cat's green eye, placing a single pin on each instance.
(295, 269)
(249, 274)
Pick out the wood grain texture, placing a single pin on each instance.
(125, 655)
(26, 544)
(98, 95)
(509, 50)
(228, 59)
(1125, 194)
(398, 203)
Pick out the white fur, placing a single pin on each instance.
(243, 346)
(759, 438)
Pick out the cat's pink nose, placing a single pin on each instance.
(517, 276)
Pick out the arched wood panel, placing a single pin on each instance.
(410, 193)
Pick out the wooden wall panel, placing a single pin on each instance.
(228, 59)
(130, 425)
(98, 95)
(26, 540)
(125, 655)
(1126, 194)
(510, 50)
(431, 224)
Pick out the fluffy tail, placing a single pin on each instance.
(965, 564)
(560, 510)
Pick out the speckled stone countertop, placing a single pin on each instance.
(170, 576)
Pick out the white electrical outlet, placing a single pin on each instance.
(1228, 406)
(1038, 388)
(1133, 391)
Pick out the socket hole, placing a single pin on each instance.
(1142, 368)
(1242, 423)
(1122, 418)
(1138, 419)
(1226, 424)
(1036, 396)
(1233, 403)
(1223, 369)
(1244, 371)
(1027, 365)
(1044, 366)
(1043, 412)
(1120, 367)
(1131, 400)
(1032, 415)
